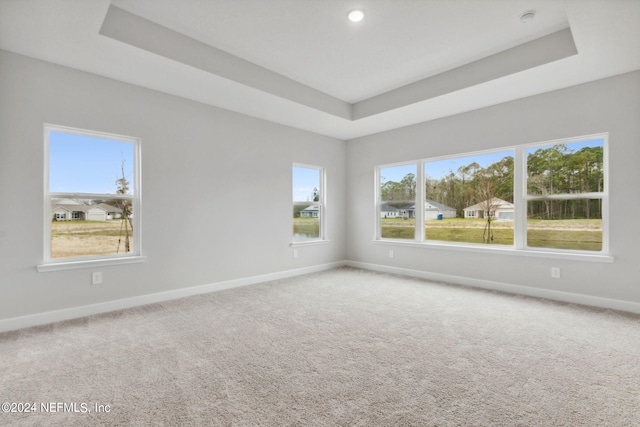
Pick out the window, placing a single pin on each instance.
(308, 203)
(397, 202)
(470, 199)
(92, 195)
(565, 192)
(535, 197)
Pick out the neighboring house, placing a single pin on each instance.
(310, 212)
(72, 210)
(387, 211)
(113, 212)
(501, 209)
(431, 210)
(408, 212)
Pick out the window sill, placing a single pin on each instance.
(309, 243)
(72, 265)
(456, 247)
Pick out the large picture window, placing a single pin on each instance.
(308, 203)
(548, 196)
(92, 195)
(470, 199)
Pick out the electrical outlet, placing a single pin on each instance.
(555, 272)
(96, 278)
(391, 254)
(295, 253)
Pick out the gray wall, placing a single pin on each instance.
(610, 105)
(216, 188)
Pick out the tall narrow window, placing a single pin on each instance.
(308, 203)
(397, 201)
(92, 195)
(565, 192)
(470, 199)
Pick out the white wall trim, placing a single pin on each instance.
(104, 307)
(120, 304)
(569, 297)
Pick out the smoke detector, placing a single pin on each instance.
(527, 16)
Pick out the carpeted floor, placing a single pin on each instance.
(344, 347)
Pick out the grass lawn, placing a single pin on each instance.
(82, 238)
(306, 227)
(580, 234)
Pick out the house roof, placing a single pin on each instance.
(72, 208)
(431, 204)
(439, 206)
(109, 208)
(85, 208)
(311, 208)
(495, 202)
(311, 69)
(385, 207)
(67, 202)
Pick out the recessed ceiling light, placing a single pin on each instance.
(355, 15)
(527, 16)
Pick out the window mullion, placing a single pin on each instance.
(377, 203)
(420, 202)
(91, 196)
(520, 198)
(323, 204)
(566, 196)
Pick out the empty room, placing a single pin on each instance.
(320, 212)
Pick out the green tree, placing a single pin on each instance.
(560, 170)
(399, 193)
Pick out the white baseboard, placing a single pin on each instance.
(569, 297)
(104, 307)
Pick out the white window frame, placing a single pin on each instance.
(321, 203)
(54, 264)
(520, 199)
(419, 213)
(603, 195)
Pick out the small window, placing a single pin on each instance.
(397, 202)
(565, 192)
(92, 197)
(308, 203)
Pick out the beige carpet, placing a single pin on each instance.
(345, 347)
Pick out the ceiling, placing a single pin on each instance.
(301, 63)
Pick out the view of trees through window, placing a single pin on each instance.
(565, 184)
(471, 198)
(307, 203)
(91, 195)
(398, 199)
